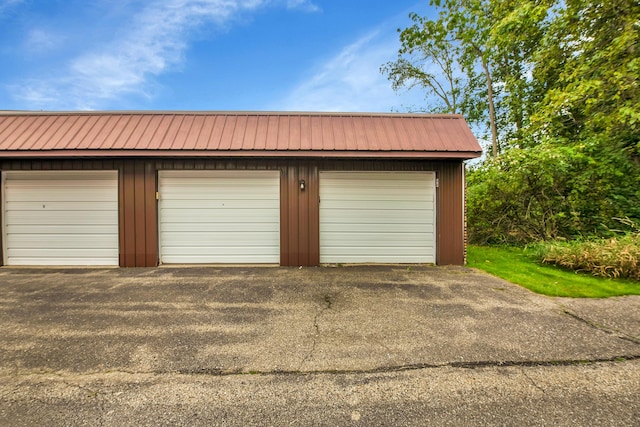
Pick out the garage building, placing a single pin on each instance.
(138, 189)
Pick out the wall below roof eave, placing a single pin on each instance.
(299, 211)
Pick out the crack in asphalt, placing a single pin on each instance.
(328, 300)
(459, 365)
(616, 333)
(419, 366)
(219, 372)
(526, 375)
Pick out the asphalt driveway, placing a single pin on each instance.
(107, 346)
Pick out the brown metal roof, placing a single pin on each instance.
(49, 134)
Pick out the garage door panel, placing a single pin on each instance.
(215, 251)
(43, 253)
(40, 180)
(61, 218)
(49, 176)
(60, 241)
(377, 217)
(62, 229)
(225, 184)
(204, 227)
(386, 258)
(244, 216)
(228, 239)
(395, 196)
(220, 175)
(377, 255)
(231, 180)
(355, 204)
(189, 194)
(227, 204)
(345, 216)
(219, 216)
(373, 190)
(352, 251)
(371, 185)
(84, 258)
(341, 228)
(62, 195)
(218, 259)
(93, 261)
(382, 239)
(218, 254)
(386, 177)
(62, 205)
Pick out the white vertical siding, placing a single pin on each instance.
(61, 217)
(383, 217)
(219, 216)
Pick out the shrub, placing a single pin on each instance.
(612, 257)
(552, 191)
(520, 197)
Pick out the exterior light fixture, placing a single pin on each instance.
(302, 185)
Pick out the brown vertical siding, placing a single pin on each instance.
(128, 218)
(284, 217)
(299, 227)
(464, 212)
(140, 204)
(151, 214)
(289, 230)
(303, 215)
(138, 214)
(450, 216)
(313, 214)
(1, 222)
(121, 204)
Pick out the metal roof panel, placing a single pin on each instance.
(341, 134)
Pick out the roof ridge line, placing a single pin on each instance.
(226, 113)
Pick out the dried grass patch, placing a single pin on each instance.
(615, 258)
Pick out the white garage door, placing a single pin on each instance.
(219, 216)
(61, 217)
(386, 217)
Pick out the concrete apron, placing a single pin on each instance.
(219, 321)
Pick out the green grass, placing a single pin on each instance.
(522, 268)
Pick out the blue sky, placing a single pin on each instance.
(279, 55)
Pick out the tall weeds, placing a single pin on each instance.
(613, 257)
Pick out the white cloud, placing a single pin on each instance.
(351, 80)
(39, 40)
(6, 4)
(153, 43)
(305, 5)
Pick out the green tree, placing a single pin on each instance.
(517, 30)
(587, 73)
(478, 49)
(579, 169)
(468, 24)
(428, 59)
(557, 84)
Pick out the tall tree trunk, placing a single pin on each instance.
(492, 108)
